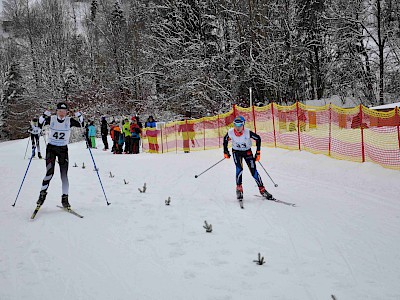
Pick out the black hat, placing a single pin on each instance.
(62, 105)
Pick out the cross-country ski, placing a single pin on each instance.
(70, 210)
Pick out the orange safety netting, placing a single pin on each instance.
(356, 134)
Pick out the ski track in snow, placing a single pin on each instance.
(342, 237)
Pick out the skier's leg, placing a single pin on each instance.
(38, 145)
(63, 162)
(50, 160)
(238, 159)
(251, 163)
(33, 142)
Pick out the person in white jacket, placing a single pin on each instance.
(60, 129)
(241, 149)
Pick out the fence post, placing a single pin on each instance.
(166, 138)
(298, 124)
(362, 135)
(273, 122)
(234, 111)
(254, 119)
(398, 124)
(162, 140)
(330, 129)
(204, 134)
(176, 139)
(219, 133)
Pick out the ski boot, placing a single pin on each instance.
(64, 201)
(239, 192)
(40, 155)
(264, 193)
(42, 197)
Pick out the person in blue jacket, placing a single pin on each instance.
(92, 134)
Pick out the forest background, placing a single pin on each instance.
(160, 57)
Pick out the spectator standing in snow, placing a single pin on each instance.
(89, 143)
(126, 130)
(118, 139)
(188, 133)
(112, 126)
(152, 134)
(92, 134)
(104, 132)
(135, 132)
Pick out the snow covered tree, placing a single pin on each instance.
(13, 107)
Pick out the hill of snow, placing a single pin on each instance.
(341, 239)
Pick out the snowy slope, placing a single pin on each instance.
(342, 239)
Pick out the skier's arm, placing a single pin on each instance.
(75, 123)
(257, 138)
(44, 120)
(226, 151)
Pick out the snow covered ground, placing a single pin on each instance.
(341, 239)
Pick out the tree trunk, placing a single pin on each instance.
(381, 46)
(318, 75)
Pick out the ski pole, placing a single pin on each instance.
(96, 169)
(26, 147)
(33, 151)
(195, 176)
(44, 137)
(267, 174)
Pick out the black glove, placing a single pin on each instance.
(227, 154)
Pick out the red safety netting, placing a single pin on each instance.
(356, 134)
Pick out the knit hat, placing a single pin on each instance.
(62, 105)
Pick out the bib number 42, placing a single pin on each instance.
(59, 135)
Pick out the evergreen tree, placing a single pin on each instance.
(13, 107)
